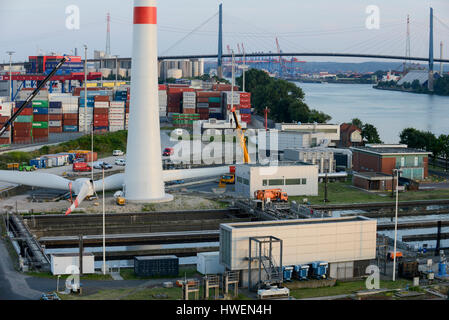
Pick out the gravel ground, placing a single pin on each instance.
(180, 202)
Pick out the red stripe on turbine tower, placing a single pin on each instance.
(145, 15)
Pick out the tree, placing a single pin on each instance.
(416, 85)
(357, 122)
(284, 99)
(443, 141)
(370, 134)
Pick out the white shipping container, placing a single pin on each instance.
(119, 104)
(208, 263)
(55, 111)
(116, 116)
(65, 263)
(116, 128)
(116, 122)
(101, 104)
(117, 111)
(55, 123)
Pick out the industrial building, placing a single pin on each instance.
(373, 181)
(295, 178)
(350, 136)
(383, 158)
(347, 244)
(324, 134)
(177, 69)
(323, 157)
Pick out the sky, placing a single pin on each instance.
(29, 27)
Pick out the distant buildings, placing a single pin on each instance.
(187, 68)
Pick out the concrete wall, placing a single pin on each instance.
(256, 176)
(336, 240)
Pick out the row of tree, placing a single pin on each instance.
(284, 99)
(425, 140)
(441, 86)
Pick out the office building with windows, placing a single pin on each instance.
(295, 178)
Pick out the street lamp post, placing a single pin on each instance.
(10, 73)
(104, 233)
(397, 171)
(85, 88)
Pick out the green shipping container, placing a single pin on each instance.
(24, 119)
(40, 104)
(41, 125)
(215, 99)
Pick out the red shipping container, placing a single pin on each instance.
(40, 117)
(162, 87)
(25, 112)
(202, 100)
(208, 94)
(101, 123)
(188, 111)
(22, 133)
(55, 129)
(70, 116)
(22, 125)
(22, 140)
(70, 122)
(101, 111)
(55, 117)
(101, 116)
(4, 119)
(40, 132)
(5, 140)
(101, 98)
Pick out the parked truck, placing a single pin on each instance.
(272, 194)
(81, 167)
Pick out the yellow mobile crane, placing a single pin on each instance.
(230, 179)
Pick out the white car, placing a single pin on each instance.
(120, 162)
(117, 153)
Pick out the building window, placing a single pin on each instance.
(304, 181)
(416, 161)
(402, 162)
(265, 182)
(239, 180)
(245, 181)
(276, 182)
(291, 182)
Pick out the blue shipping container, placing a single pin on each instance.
(40, 110)
(245, 111)
(70, 128)
(55, 104)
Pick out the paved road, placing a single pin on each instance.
(13, 285)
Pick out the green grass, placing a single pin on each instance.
(128, 274)
(48, 275)
(130, 294)
(344, 288)
(344, 192)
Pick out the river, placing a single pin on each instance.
(388, 111)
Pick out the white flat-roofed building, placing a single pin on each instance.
(68, 263)
(329, 132)
(347, 244)
(295, 178)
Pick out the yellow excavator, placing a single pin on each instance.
(230, 178)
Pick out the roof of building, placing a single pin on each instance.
(279, 164)
(390, 150)
(371, 175)
(421, 75)
(282, 223)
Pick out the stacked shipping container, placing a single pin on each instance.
(5, 114)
